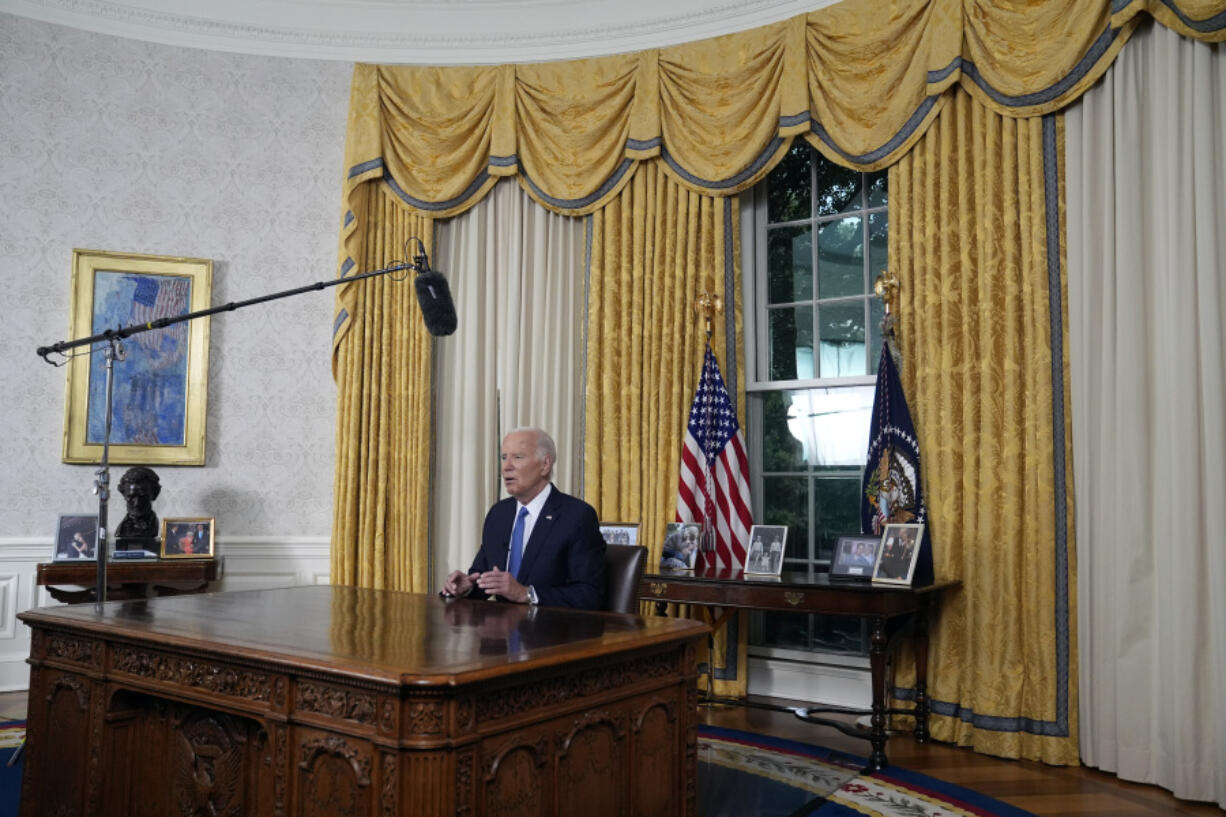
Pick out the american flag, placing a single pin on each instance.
(714, 482)
(160, 299)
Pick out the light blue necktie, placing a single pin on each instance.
(517, 544)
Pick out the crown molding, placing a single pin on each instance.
(424, 32)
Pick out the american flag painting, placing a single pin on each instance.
(153, 299)
(714, 481)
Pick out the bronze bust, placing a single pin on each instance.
(139, 528)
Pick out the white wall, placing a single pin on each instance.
(121, 145)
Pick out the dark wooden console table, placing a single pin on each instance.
(805, 592)
(72, 582)
(336, 701)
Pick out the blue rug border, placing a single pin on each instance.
(957, 795)
(783, 744)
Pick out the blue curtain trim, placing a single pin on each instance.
(363, 167)
(573, 204)
(1083, 67)
(889, 147)
(723, 184)
(341, 317)
(729, 305)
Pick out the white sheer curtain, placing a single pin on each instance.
(1146, 152)
(518, 276)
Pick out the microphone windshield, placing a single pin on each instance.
(434, 297)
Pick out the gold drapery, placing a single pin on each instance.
(382, 371)
(863, 82)
(982, 295)
(655, 248)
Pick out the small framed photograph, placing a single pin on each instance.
(765, 556)
(900, 546)
(681, 545)
(620, 533)
(855, 557)
(76, 537)
(187, 538)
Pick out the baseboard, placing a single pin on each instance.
(816, 683)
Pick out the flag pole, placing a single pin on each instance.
(886, 288)
(707, 305)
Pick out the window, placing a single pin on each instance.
(818, 239)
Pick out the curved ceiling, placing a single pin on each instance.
(427, 32)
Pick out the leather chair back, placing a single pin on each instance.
(624, 566)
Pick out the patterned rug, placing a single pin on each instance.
(11, 735)
(741, 773)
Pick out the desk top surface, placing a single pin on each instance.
(379, 635)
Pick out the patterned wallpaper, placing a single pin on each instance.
(115, 144)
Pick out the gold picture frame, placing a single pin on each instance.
(188, 537)
(161, 387)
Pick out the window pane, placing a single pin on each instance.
(786, 630)
(789, 264)
(840, 258)
(791, 343)
(830, 424)
(839, 634)
(878, 244)
(842, 338)
(877, 192)
(838, 188)
(836, 510)
(876, 311)
(785, 501)
(781, 451)
(787, 186)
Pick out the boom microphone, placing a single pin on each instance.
(434, 297)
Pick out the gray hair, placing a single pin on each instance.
(544, 445)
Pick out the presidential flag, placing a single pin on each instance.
(714, 483)
(892, 491)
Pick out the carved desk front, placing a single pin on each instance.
(340, 701)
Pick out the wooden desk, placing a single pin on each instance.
(796, 592)
(337, 701)
(127, 580)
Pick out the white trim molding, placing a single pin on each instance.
(248, 563)
(422, 32)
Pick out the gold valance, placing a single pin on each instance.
(860, 80)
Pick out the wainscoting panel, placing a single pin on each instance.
(248, 563)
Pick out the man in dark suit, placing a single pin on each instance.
(539, 546)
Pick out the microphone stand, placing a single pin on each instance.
(114, 350)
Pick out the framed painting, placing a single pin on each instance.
(187, 538)
(160, 391)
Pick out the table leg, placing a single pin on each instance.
(876, 657)
(921, 675)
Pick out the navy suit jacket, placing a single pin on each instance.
(563, 559)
